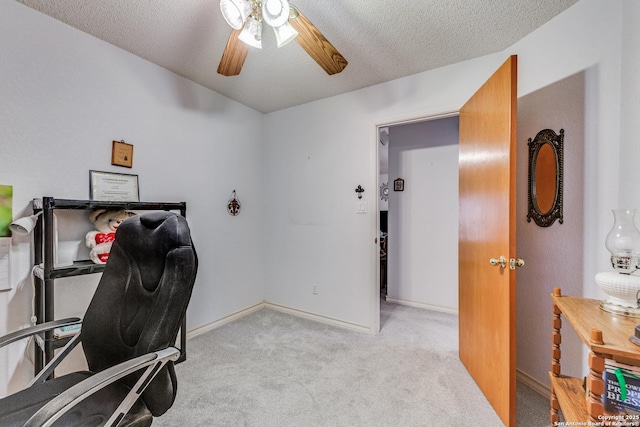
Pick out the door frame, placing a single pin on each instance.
(374, 297)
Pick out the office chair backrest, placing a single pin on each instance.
(141, 299)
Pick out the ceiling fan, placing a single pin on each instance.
(246, 17)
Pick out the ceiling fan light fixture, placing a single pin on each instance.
(275, 12)
(252, 33)
(288, 23)
(235, 12)
(284, 34)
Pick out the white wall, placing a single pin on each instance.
(328, 149)
(423, 219)
(587, 38)
(64, 96)
(553, 255)
(629, 105)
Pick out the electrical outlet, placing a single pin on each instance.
(314, 289)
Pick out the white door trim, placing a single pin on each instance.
(374, 296)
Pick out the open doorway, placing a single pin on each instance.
(418, 212)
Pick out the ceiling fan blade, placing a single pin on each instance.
(233, 56)
(316, 45)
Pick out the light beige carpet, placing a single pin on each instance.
(274, 369)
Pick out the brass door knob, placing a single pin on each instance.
(516, 262)
(502, 262)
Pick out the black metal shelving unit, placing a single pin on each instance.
(45, 272)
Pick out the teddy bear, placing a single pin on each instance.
(106, 222)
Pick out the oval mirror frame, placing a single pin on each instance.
(549, 185)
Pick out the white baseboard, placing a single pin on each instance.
(318, 318)
(532, 383)
(237, 315)
(227, 319)
(422, 305)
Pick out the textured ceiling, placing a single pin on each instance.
(382, 39)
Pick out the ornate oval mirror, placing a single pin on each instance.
(545, 177)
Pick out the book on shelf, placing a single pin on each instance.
(621, 388)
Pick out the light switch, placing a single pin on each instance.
(361, 206)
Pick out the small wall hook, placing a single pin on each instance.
(359, 190)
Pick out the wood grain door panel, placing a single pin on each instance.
(487, 298)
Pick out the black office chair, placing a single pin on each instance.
(127, 335)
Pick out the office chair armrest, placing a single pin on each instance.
(36, 329)
(66, 400)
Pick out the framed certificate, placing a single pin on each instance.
(113, 187)
(122, 154)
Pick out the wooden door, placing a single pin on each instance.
(487, 297)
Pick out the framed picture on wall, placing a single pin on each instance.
(113, 187)
(398, 184)
(122, 154)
